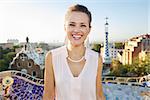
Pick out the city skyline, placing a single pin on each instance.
(43, 20)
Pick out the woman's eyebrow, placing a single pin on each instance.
(72, 22)
(83, 23)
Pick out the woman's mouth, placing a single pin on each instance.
(77, 36)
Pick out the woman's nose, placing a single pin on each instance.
(77, 29)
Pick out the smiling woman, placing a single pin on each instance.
(73, 71)
(77, 27)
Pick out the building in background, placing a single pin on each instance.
(113, 51)
(136, 47)
(29, 60)
(6, 45)
(10, 44)
(14, 41)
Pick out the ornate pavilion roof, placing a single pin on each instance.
(28, 49)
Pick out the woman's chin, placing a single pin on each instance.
(76, 44)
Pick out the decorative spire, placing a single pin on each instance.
(106, 25)
(27, 39)
(107, 59)
(106, 21)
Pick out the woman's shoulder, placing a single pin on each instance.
(95, 55)
(58, 51)
(92, 52)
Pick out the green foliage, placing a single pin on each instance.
(3, 66)
(118, 69)
(6, 56)
(1, 51)
(6, 50)
(96, 47)
(146, 64)
(119, 45)
(137, 68)
(16, 46)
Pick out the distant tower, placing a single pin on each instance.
(107, 58)
(27, 42)
(27, 39)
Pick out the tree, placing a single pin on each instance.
(146, 65)
(139, 67)
(3, 65)
(96, 47)
(15, 47)
(6, 56)
(1, 52)
(119, 45)
(118, 69)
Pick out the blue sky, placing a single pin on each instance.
(43, 20)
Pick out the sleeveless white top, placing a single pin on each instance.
(69, 87)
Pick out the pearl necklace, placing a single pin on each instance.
(76, 61)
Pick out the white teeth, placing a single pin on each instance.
(76, 37)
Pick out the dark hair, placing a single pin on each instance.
(79, 8)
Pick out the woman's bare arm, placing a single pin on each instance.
(99, 89)
(49, 81)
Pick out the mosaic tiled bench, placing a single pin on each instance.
(25, 87)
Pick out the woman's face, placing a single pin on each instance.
(77, 27)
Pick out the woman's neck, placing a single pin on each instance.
(76, 52)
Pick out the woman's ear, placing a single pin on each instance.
(90, 29)
(90, 26)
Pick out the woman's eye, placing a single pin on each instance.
(83, 25)
(71, 25)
